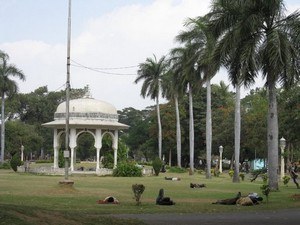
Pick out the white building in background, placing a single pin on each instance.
(86, 115)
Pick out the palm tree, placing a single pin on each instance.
(171, 89)
(151, 72)
(7, 88)
(204, 43)
(263, 39)
(182, 60)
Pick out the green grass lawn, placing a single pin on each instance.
(37, 199)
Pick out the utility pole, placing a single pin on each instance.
(67, 152)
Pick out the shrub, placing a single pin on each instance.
(15, 162)
(264, 177)
(242, 176)
(44, 161)
(215, 172)
(265, 190)
(176, 169)
(126, 169)
(108, 161)
(157, 164)
(231, 172)
(201, 171)
(138, 190)
(5, 166)
(286, 180)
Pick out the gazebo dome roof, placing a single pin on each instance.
(87, 105)
(87, 112)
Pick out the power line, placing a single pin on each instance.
(100, 70)
(60, 87)
(107, 68)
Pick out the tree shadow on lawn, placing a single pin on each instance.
(24, 215)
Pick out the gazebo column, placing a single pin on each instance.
(72, 146)
(115, 148)
(98, 146)
(55, 164)
(72, 160)
(97, 158)
(55, 149)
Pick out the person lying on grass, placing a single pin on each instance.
(172, 178)
(192, 185)
(109, 200)
(251, 199)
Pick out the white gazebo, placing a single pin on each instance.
(86, 115)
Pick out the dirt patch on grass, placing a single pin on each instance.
(296, 197)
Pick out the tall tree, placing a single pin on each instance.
(204, 43)
(183, 59)
(8, 87)
(151, 72)
(264, 39)
(171, 89)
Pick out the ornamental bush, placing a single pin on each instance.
(5, 165)
(127, 169)
(138, 190)
(15, 162)
(286, 180)
(176, 169)
(242, 176)
(157, 164)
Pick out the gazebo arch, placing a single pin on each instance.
(86, 115)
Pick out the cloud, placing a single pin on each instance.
(125, 36)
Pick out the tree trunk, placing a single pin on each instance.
(208, 128)
(272, 137)
(237, 134)
(178, 132)
(159, 129)
(170, 158)
(2, 127)
(191, 127)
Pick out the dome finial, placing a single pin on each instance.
(87, 92)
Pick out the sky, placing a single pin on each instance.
(109, 39)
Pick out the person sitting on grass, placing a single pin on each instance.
(161, 200)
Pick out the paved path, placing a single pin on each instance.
(281, 217)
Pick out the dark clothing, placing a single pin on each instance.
(229, 201)
(161, 200)
(294, 175)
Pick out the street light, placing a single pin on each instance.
(282, 143)
(22, 153)
(221, 152)
(196, 66)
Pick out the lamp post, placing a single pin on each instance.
(22, 153)
(282, 143)
(221, 152)
(195, 66)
